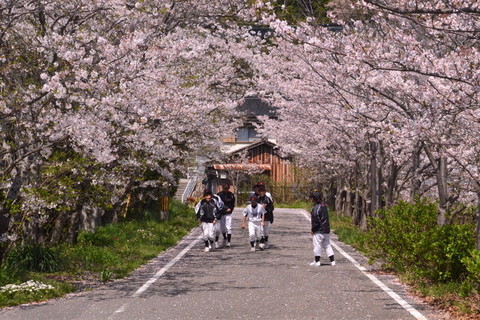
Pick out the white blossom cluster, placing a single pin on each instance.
(28, 287)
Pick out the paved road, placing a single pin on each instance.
(234, 283)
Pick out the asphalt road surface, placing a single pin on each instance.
(234, 283)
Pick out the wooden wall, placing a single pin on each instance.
(282, 169)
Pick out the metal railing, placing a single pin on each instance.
(192, 182)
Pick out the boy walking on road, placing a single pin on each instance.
(220, 211)
(207, 214)
(320, 230)
(228, 199)
(267, 203)
(255, 214)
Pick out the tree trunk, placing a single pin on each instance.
(325, 194)
(338, 196)
(373, 178)
(363, 216)
(356, 209)
(442, 191)
(4, 223)
(416, 182)
(391, 184)
(332, 194)
(440, 167)
(381, 178)
(58, 228)
(75, 223)
(477, 231)
(348, 203)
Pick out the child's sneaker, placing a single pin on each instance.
(261, 246)
(332, 263)
(228, 244)
(315, 263)
(207, 249)
(252, 249)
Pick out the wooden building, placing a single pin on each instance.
(249, 153)
(264, 152)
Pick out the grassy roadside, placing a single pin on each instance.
(454, 296)
(295, 205)
(35, 273)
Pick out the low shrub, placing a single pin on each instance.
(472, 264)
(442, 250)
(407, 238)
(6, 277)
(32, 257)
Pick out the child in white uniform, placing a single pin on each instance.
(255, 214)
(206, 213)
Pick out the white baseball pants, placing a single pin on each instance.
(266, 229)
(226, 223)
(321, 241)
(208, 231)
(254, 230)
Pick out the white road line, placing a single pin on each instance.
(160, 272)
(414, 312)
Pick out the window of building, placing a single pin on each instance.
(247, 134)
(242, 134)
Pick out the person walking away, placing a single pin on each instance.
(206, 212)
(220, 211)
(320, 230)
(255, 215)
(228, 199)
(267, 203)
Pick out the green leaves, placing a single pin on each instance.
(407, 238)
(472, 264)
(33, 257)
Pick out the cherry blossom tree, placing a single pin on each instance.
(384, 101)
(100, 98)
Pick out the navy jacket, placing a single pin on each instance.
(320, 221)
(228, 199)
(207, 211)
(269, 208)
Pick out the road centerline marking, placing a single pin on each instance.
(404, 304)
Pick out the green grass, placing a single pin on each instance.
(347, 232)
(295, 205)
(111, 252)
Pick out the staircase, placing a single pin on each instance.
(182, 185)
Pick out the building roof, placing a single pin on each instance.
(242, 166)
(253, 107)
(238, 147)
